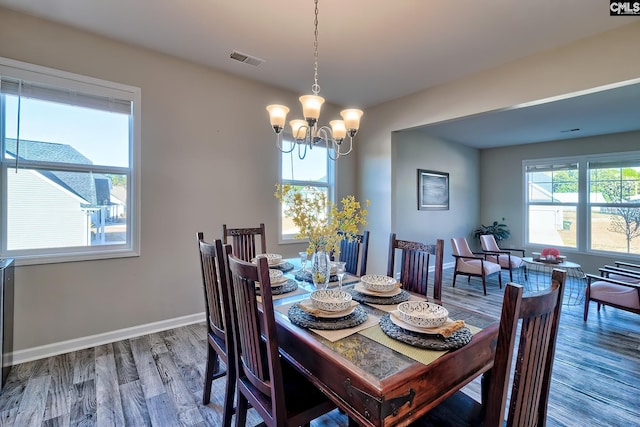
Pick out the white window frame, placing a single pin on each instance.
(330, 185)
(583, 208)
(527, 203)
(91, 86)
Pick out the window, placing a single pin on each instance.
(69, 185)
(316, 170)
(552, 200)
(614, 206)
(590, 203)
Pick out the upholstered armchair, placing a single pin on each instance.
(503, 256)
(469, 264)
(616, 288)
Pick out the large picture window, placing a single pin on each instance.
(588, 203)
(316, 170)
(552, 200)
(69, 153)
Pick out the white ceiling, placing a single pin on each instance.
(370, 51)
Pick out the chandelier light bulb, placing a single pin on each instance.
(277, 116)
(338, 130)
(311, 105)
(352, 120)
(299, 129)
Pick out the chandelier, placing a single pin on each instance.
(306, 133)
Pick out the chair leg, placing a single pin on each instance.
(510, 275)
(241, 410)
(213, 364)
(586, 308)
(455, 273)
(484, 284)
(229, 394)
(500, 280)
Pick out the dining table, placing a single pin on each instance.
(375, 379)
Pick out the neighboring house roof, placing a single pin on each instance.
(542, 192)
(92, 187)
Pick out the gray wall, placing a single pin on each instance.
(412, 150)
(208, 157)
(502, 183)
(607, 58)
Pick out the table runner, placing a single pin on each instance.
(420, 355)
(335, 335)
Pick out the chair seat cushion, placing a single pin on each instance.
(474, 266)
(616, 294)
(503, 260)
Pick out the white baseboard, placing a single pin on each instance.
(62, 347)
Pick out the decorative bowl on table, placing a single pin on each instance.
(378, 282)
(272, 259)
(276, 276)
(331, 300)
(423, 314)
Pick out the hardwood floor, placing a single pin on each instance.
(156, 380)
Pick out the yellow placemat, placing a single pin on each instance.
(418, 354)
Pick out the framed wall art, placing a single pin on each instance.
(433, 190)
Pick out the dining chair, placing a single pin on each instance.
(354, 252)
(539, 314)
(503, 256)
(244, 241)
(276, 390)
(219, 336)
(414, 265)
(471, 265)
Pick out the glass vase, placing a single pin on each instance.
(320, 269)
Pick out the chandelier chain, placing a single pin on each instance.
(316, 87)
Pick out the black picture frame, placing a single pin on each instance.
(433, 190)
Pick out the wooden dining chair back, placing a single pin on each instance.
(218, 319)
(414, 265)
(244, 241)
(354, 253)
(538, 315)
(279, 394)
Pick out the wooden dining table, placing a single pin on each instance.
(375, 382)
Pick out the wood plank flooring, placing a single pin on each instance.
(156, 380)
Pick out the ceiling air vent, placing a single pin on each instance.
(247, 59)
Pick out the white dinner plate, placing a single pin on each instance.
(359, 287)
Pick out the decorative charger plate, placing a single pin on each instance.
(459, 338)
(358, 287)
(303, 319)
(382, 300)
(289, 286)
(284, 266)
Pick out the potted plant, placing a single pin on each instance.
(497, 230)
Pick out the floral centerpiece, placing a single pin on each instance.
(318, 219)
(322, 222)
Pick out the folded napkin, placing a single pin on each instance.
(446, 330)
(307, 306)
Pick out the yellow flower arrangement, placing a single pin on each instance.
(320, 220)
